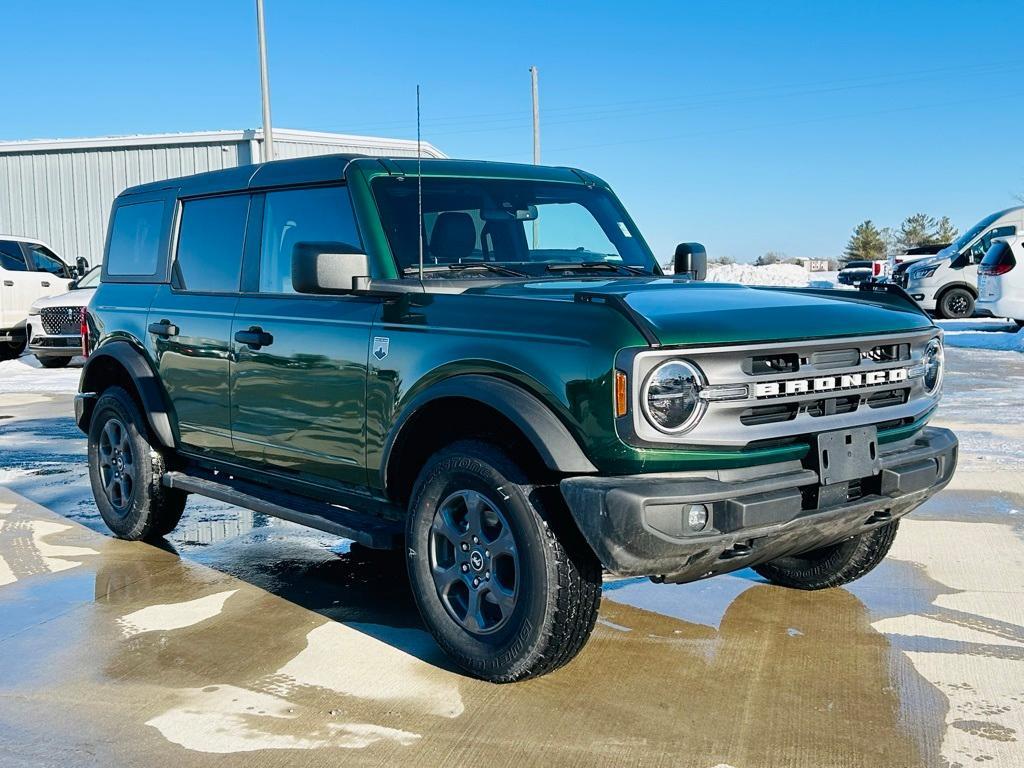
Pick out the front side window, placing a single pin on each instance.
(11, 258)
(42, 259)
(523, 227)
(210, 241)
(314, 215)
(135, 239)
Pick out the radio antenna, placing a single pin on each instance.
(419, 180)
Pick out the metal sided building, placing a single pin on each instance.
(60, 191)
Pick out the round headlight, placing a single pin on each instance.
(933, 361)
(671, 396)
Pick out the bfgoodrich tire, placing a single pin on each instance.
(956, 303)
(834, 565)
(125, 471)
(507, 588)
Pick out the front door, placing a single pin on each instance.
(190, 320)
(299, 378)
(52, 276)
(16, 285)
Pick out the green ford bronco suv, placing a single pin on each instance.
(482, 365)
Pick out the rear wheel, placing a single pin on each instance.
(506, 586)
(956, 303)
(125, 471)
(834, 565)
(53, 362)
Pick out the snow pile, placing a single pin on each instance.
(983, 334)
(788, 275)
(26, 375)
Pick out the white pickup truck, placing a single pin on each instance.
(29, 270)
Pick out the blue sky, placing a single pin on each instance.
(747, 126)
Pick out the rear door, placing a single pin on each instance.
(190, 319)
(298, 392)
(15, 285)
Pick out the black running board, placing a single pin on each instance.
(370, 531)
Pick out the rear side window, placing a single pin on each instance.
(135, 239)
(11, 258)
(210, 243)
(318, 214)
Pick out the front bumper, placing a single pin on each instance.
(637, 524)
(42, 345)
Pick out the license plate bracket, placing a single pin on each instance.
(848, 454)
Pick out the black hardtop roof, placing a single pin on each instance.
(325, 168)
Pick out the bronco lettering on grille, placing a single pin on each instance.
(830, 383)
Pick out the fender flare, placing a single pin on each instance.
(552, 440)
(151, 393)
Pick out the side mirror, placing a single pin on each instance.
(327, 267)
(691, 259)
(82, 265)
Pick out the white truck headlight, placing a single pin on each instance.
(671, 396)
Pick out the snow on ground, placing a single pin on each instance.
(25, 374)
(983, 333)
(792, 275)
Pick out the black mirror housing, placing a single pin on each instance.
(691, 259)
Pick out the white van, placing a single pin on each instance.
(29, 270)
(946, 283)
(1000, 282)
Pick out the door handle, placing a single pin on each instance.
(164, 328)
(9, 283)
(254, 338)
(45, 284)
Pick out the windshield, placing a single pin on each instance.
(90, 280)
(970, 234)
(508, 227)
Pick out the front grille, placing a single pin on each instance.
(61, 321)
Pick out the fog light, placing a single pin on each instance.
(697, 517)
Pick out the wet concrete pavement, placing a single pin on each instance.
(246, 640)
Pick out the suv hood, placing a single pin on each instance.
(718, 313)
(77, 298)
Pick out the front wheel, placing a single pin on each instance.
(956, 303)
(125, 471)
(54, 362)
(11, 349)
(506, 586)
(834, 565)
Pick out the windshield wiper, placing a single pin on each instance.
(569, 266)
(495, 268)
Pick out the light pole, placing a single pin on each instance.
(268, 132)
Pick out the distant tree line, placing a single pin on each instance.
(870, 243)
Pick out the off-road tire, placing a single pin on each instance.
(150, 511)
(834, 565)
(54, 362)
(558, 576)
(956, 303)
(9, 350)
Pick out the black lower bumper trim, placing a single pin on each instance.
(640, 525)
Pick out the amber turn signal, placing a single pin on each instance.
(621, 406)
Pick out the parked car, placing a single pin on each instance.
(29, 270)
(1000, 282)
(855, 272)
(54, 327)
(504, 387)
(946, 283)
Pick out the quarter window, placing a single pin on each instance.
(317, 214)
(135, 239)
(11, 258)
(212, 234)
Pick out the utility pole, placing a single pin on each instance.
(536, 137)
(268, 132)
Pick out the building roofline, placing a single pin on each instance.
(212, 137)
